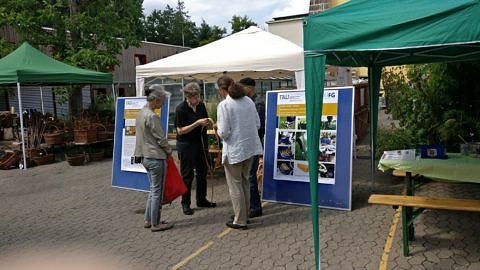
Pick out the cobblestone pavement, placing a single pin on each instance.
(56, 207)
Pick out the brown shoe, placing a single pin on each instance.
(161, 227)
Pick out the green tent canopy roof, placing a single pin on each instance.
(376, 33)
(392, 32)
(28, 65)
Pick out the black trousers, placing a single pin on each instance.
(192, 158)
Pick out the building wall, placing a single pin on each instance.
(124, 73)
(317, 6)
(32, 100)
(288, 29)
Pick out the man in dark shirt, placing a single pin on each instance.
(191, 119)
(255, 203)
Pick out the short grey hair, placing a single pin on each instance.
(157, 92)
(191, 89)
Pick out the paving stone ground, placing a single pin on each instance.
(58, 208)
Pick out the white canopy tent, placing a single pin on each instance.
(250, 53)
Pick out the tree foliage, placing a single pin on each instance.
(438, 103)
(174, 26)
(85, 33)
(207, 33)
(241, 23)
(171, 26)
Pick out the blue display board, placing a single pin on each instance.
(285, 171)
(123, 178)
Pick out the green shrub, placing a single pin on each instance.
(394, 139)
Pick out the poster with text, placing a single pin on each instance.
(285, 166)
(125, 173)
(291, 138)
(132, 107)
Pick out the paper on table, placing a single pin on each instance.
(405, 154)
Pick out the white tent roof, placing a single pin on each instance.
(252, 52)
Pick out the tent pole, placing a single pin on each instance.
(183, 94)
(113, 92)
(114, 96)
(41, 99)
(21, 125)
(204, 93)
(374, 76)
(314, 89)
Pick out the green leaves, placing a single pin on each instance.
(241, 23)
(436, 102)
(173, 26)
(87, 34)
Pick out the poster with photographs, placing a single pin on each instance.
(291, 138)
(127, 174)
(132, 107)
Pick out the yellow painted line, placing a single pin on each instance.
(391, 234)
(225, 232)
(388, 243)
(200, 250)
(193, 255)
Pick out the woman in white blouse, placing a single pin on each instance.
(237, 126)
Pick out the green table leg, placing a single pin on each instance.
(405, 230)
(409, 210)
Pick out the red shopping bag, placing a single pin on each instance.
(174, 185)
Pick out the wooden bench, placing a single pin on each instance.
(421, 203)
(400, 173)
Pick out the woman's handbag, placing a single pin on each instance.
(174, 185)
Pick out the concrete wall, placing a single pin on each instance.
(291, 29)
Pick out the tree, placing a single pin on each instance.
(155, 27)
(84, 33)
(241, 23)
(207, 34)
(5, 48)
(171, 26)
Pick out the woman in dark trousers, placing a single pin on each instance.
(191, 119)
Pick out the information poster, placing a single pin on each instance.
(125, 173)
(132, 107)
(291, 138)
(285, 171)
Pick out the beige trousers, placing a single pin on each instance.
(239, 189)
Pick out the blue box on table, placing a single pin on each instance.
(433, 151)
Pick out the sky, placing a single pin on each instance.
(220, 12)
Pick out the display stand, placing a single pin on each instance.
(125, 174)
(285, 171)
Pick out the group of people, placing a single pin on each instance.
(241, 127)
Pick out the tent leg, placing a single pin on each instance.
(41, 99)
(20, 109)
(204, 92)
(374, 76)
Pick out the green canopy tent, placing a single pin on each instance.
(377, 33)
(28, 66)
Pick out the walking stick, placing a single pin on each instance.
(212, 166)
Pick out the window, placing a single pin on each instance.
(140, 59)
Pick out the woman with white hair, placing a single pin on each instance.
(152, 148)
